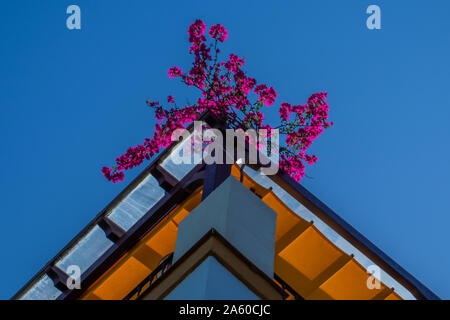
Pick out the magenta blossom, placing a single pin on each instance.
(115, 177)
(152, 103)
(234, 98)
(218, 32)
(266, 95)
(175, 72)
(285, 109)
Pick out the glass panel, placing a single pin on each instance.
(86, 251)
(43, 289)
(327, 231)
(137, 203)
(185, 155)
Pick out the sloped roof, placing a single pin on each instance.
(317, 252)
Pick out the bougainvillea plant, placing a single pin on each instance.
(235, 98)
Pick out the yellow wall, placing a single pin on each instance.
(305, 258)
(139, 262)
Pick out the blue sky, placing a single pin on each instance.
(72, 100)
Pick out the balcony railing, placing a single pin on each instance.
(162, 268)
(165, 265)
(287, 289)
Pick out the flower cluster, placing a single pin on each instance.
(236, 99)
(175, 72)
(266, 95)
(114, 177)
(218, 32)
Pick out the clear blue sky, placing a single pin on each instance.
(71, 101)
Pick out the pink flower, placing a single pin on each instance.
(218, 32)
(115, 177)
(152, 103)
(285, 109)
(225, 91)
(234, 63)
(311, 159)
(160, 114)
(196, 30)
(293, 166)
(269, 128)
(196, 36)
(174, 72)
(254, 118)
(266, 95)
